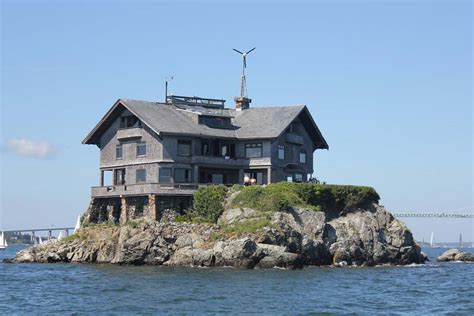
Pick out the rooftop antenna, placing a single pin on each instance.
(243, 82)
(167, 79)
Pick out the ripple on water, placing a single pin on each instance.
(66, 289)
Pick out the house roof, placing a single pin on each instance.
(253, 123)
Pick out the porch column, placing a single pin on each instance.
(152, 207)
(123, 210)
(269, 175)
(241, 176)
(196, 174)
(101, 178)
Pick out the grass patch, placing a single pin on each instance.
(319, 197)
(69, 238)
(249, 226)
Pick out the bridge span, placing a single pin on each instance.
(33, 231)
(433, 214)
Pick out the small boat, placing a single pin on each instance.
(432, 241)
(3, 242)
(60, 236)
(78, 224)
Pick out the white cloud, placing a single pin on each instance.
(30, 148)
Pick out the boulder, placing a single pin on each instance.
(456, 255)
(234, 215)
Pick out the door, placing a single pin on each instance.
(119, 176)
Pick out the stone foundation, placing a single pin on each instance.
(122, 209)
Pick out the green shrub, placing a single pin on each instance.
(208, 204)
(182, 218)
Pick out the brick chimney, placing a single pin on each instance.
(242, 103)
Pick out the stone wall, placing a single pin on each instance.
(105, 210)
(121, 210)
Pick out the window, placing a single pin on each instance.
(184, 148)
(119, 176)
(302, 156)
(217, 178)
(182, 175)
(289, 178)
(298, 177)
(130, 121)
(141, 149)
(119, 151)
(165, 175)
(253, 150)
(141, 176)
(228, 150)
(215, 121)
(281, 152)
(205, 148)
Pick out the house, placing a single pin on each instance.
(155, 155)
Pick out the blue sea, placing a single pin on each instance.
(433, 288)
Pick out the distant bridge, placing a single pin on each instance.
(466, 212)
(434, 215)
(33, 231)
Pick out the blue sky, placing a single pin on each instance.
(389, 84)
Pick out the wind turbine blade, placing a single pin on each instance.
(251, 50)
(245, 62)
(238, 51)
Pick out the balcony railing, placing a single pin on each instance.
(131, 132)
(231, 162)
(145, 188)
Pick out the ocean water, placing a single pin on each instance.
(434, 288)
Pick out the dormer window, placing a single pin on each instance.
(130, 121)
(215, 121)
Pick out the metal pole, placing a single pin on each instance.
(166, 91)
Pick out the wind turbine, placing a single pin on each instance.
(243, 82)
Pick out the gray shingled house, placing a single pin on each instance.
(151, 153)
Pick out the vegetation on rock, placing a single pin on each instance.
(320, 197)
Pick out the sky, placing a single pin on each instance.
(388, 83)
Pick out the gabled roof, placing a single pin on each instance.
(253, 123)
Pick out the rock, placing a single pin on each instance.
(294, 238)
(370, 237)
(277, 256)
(234, 215)
(241, 253)
(456, 255)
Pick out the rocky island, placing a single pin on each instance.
(455, 255)
(288, 225)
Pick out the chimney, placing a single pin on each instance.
(242, 103)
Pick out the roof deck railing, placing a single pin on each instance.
(205, 102)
